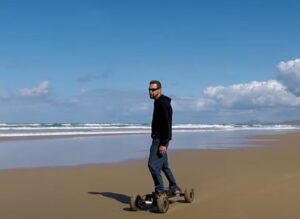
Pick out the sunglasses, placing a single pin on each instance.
(153, 89)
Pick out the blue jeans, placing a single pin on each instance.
(159, 162)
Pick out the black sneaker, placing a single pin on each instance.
(176, 191)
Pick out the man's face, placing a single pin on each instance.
(154, 91)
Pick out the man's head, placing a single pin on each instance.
(154, 89)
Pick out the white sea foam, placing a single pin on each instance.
(71, 133)
(69, 129)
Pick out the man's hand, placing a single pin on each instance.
(162, 149)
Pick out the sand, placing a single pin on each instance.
(255, 183)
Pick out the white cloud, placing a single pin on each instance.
(290, 66)
(251, 95)
(289, 74)
(40, 90)
(263, 101)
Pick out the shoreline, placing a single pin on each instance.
(91, 147)
(49, 137)
(259, 141)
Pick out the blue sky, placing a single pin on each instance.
(91, 61)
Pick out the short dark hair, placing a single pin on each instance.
(156, 82)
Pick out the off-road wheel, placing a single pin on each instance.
(162, 204)
(135, 202)
(189, 195)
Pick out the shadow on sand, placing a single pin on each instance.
(124, 199)
(116, 196)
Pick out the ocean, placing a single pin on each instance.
(71, 144)
(85, 129)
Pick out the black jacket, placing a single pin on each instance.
(161, 127)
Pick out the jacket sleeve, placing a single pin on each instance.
(166, 123)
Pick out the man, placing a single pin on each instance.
(161, 133)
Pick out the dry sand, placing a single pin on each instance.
(254, 183)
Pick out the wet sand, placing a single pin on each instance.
(256, 183)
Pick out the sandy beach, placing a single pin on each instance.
(255, 183)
